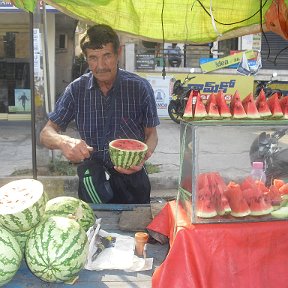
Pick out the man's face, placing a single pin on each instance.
(103, 62)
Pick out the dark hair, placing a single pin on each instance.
(98, 36)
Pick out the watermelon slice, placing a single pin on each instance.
(212, 111)
(198, 108)
(250, 107)
(264, 109)
(275, 107)
(188, 113)
(253, 192)
(237, 202)
(126, 153)
(238, 111)
(274, 196)
(284, 191)
(205, 207)
(235, 98)
(284, 106)
(278, 182)
(261, 97)
(211, 99)
(223, 107)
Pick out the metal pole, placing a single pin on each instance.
(33, 122)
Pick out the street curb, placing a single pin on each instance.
(68, 185)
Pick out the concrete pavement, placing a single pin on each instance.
(16, 154)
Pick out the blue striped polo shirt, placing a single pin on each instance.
(133, 108)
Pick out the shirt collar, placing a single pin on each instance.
(92, 83)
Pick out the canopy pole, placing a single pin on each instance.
(33, 122)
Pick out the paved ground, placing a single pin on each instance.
(16, 150)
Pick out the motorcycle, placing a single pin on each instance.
(266, 88)
(265, 148)
(179, 99)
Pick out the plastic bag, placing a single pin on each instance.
(113, 251)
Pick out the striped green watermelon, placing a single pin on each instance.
(21, 237)
(56, 250)
(22, 204)
(10, 256)
(126, 153)
(73, 208)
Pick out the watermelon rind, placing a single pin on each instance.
(57, 249)
(281, 213)
(72, 208)
(127, 158)
(22, 204)
(10, 256)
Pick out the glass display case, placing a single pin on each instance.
(216, 185)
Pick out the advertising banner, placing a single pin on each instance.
(162, 95)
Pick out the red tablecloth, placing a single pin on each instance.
(248, 255)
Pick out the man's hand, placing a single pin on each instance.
(131, 170)
(75, 150)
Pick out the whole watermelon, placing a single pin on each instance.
(22, 204)
(56, 249)
(10, 256)
(126, 153)
(73, 208)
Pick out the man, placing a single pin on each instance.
(106, 97)
(174, 55)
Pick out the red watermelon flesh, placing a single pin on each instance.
(274, 105)
(250, 107)
(221, 202)
(205, 207)
(222, 105)
(264, 109)
(212, 111)
(261, 97)
(199, 108)
(284, 190)
(273, 196)
(237, 202)
(188, 113)
(256, 202)
(211, 99)
(238, 111)
(284, 106)
(235, 98)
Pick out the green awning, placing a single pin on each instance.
(182, 21)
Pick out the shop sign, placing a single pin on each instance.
(145, 61)
(6, 6)
(226, 61)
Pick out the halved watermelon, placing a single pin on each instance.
(126, 153)
(22, 204)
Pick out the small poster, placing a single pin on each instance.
(22, 100)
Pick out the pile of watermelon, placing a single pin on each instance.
(248, 198)
(49, 235)
(216, 107)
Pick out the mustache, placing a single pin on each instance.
(98, 71)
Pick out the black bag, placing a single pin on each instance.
(93, 185)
